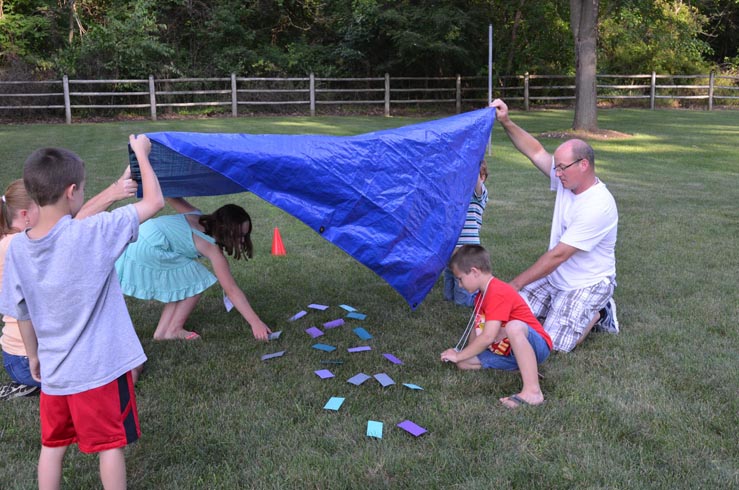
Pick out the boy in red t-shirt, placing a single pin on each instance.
(508, 335)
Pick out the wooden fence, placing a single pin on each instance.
(241, 94)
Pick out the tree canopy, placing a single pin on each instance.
(169, 38)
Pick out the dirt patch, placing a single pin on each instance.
(599, 135)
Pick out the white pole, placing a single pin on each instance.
(490, 63)
(490, 80)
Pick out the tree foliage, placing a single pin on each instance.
(134, 38)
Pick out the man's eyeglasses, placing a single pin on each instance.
(562, 168)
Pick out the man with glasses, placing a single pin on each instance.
(571, 285)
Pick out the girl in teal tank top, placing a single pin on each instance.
(163, 264)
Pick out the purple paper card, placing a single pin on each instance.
(356, 316)
(297, 315)
(273, 355)
(275, 335)
(358, 379)
(324, 373)
(314, 332)
(392, 358)
(412, 428)
(334, 323)
(384, 379)
(317, 306)
(361, 348)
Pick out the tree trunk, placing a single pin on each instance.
(584, 22)
(514, 32)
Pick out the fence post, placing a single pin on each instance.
(710, 90)
(459, 94)
(312, 94)
(653, 91)
(152, 98)
(234, 97)
(526, 91)
(387, 95)
(67, 104)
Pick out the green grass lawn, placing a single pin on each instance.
(654, 407)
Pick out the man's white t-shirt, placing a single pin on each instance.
(589, 222)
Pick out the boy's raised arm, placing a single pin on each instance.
(152, 200)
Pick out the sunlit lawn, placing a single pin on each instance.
(654, 407)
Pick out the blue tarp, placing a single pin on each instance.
(395, 200)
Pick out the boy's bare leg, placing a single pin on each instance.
(136, 373)
(113, 469)
(526, 358)
(50, 467)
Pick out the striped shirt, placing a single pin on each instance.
(471, 231)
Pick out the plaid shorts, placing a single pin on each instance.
(566, 314)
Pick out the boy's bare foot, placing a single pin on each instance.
(515, 401)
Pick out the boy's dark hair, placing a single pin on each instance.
(468, 256)
(224, 224)
(49, 171)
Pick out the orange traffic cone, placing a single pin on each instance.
(277, 247)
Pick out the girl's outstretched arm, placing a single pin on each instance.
(223, 272)
(152, 201)
(123, 188)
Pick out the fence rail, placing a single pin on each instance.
(19, 98)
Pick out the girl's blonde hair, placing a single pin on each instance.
(13, 200)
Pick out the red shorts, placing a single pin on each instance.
(98, 419)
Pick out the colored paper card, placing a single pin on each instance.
(392, 358)
(384, 379)
(412, 386)
(412, 428)
(324, 373)
(358, 379)
(273, 355)
(362, 333)
(275, 335)
(356, 316)
(374, 429)
(297, 315)
(227, 303)
(334, 323)
(314, 332)
(361, 348)
(347, 308)
(334, 403)
(317, 306)
(324, 347)
(332, 361)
